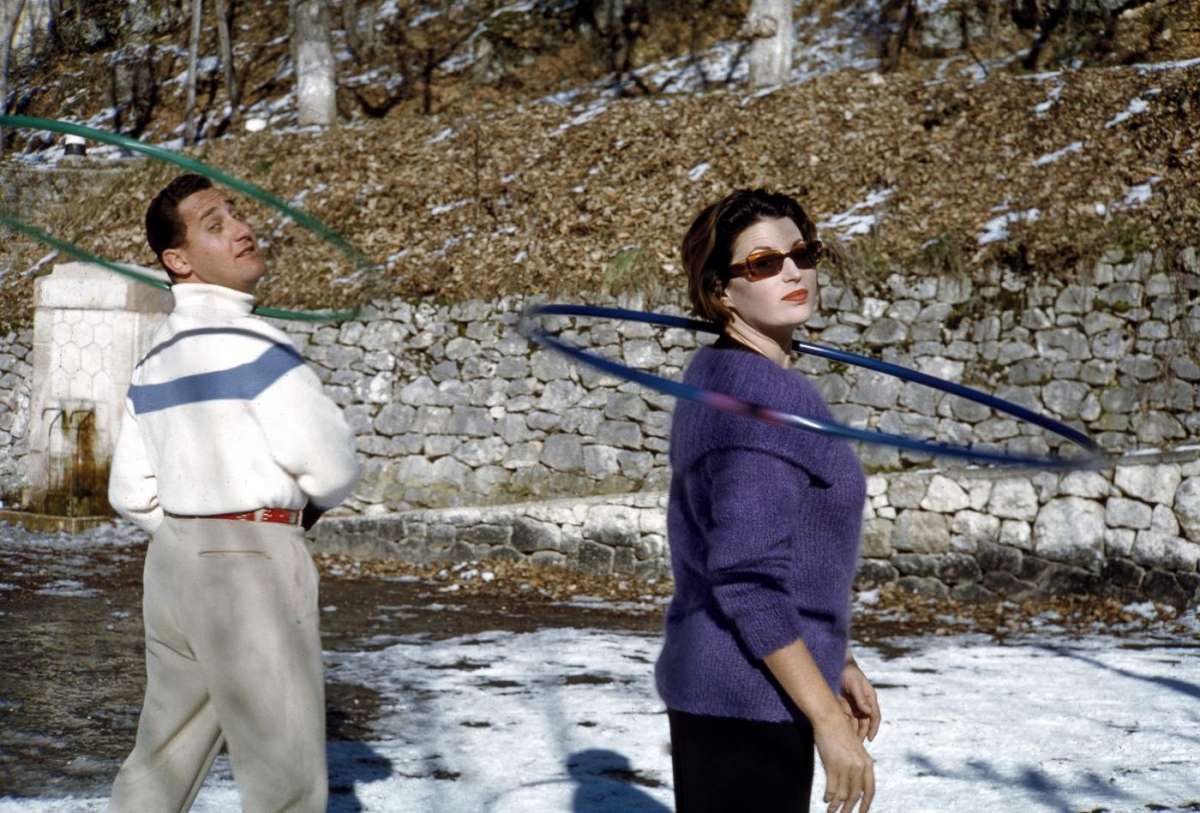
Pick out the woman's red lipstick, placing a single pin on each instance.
(800, 296)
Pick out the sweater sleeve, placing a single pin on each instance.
(749, 545)
(308, 436)
(132, 483)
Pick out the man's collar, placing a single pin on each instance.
(201, 296)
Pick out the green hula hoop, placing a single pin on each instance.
(167, 156)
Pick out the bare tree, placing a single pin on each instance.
(361, 38)
(769, 27)
(189, 134)
(312, 56)
(10, 14)
(231, 85)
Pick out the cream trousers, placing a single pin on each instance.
(233, 658)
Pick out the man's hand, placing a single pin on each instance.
(860, 702)
(310, 515)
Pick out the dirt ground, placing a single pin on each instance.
(71, 634)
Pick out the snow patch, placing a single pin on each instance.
(997, 228)
(1175, 65)
(1050, 158)
(856, 220)
(442, 209)
(1137, 105)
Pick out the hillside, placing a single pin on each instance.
(940, 164)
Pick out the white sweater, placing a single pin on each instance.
(223, 415)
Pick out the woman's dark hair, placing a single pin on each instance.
(164, 227)
(708, 245)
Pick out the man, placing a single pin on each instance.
(228, 447)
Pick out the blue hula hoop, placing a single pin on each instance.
(1092, 456)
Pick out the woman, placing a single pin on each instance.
(764, 524)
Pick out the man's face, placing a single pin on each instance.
(219, 249)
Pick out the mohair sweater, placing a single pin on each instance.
(223, 415)
(764, 524)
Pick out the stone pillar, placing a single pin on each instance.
(90, 328)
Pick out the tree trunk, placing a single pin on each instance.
(8, 30)
(350, 23)
(769, 27)
(189, 132)
(231, 85)
(609, 14)
(312, 55)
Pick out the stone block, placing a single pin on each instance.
(1122, 574)
(1007, 584)
(1063, 580)
(944, 496)
(924, 586)
(921, 532)
(1161, 586)
(873, 572)
(876, 390)
(975, 526)
(916, 564)
(420, 392)
(563, 453)
(972, 593)
(612, 525)
(1187, 507)
(907, 490)
(1087, 484)
(486, 534)
(1119, 542)
(1155, 549)
(1121, 512)
(955, 568)
(600, 461)
(1071, 530)
(998, 558)
(1154, 484)
(595, 558)
(877, 538)
(1013, 498)
(626, 434)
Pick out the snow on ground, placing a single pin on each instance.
(857, 219)
(997, 228)
(568, 720)
(1050, 158)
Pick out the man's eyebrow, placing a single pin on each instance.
(211, 210)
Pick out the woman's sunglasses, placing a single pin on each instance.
(765, 263)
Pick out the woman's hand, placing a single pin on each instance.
(860, 702)
(849, 769)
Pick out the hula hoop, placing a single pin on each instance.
(1092, 457)
(251, 190)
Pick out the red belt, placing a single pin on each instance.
(286, 516)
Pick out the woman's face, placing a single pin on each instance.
(776, 305)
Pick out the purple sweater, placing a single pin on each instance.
(764, 524)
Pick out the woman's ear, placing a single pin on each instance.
(722, 292)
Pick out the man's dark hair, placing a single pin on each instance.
(164, 227)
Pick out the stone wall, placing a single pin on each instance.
(16, 383)
(968, 534)
(621, 533)
(452, 406)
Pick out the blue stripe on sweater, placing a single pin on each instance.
(243, 382)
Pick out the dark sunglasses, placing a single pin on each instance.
(765, 263)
